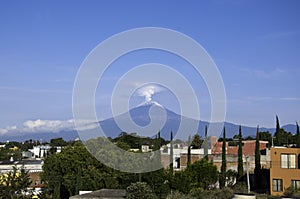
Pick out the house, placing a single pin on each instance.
(180, 151)
(34, 168)
(284, 170)
(215, 154)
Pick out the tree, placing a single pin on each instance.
(171, 153)
(197, 142)
(139, 190)
(203, 174)
(200, 174)
(206, 143)
(158, 181)
(76, 169)
(279, 134)
(58, 142)
(222, 177)
(297, 136)
(257, 168)
(14, 183)
(266, 136)
(123, 145)
(189, 152)
(240, 156)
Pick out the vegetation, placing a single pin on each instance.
(222, 178)
(197, 142)
(140, 190)
(189, 152)
(171, 153)
(14, 183)
(205, 143)
(201, 174)
(292, 192)
(76, 169)
(257, 169)
(297, 136)
(240, 156)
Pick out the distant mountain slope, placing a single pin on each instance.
(140, 116)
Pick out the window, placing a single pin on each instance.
(277, 185)
(295, 184)
(288, 161)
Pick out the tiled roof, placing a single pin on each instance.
(248, 148)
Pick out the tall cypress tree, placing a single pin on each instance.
(277, 123)
(171, 153)
(257, 169)
(297, 136)
(189, 152)
(240, 156)
(278, 134)
(222, 177)
(206, 144)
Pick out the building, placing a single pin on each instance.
(284, 170)
(180, 151)
(42, 151)
(215, 154)
(34, 168)
(248, 150)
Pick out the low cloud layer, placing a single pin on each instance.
(46, 126)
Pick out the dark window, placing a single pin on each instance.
(295, 184)
(277, 185)
(177, 163)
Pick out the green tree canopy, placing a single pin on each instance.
(76, 169)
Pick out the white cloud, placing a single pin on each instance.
(148, 91)
(272, 74)
(45, 126)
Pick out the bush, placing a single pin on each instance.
(178, 195)
(240, 187)
(291, 192)
(225, 193)
(140, 190)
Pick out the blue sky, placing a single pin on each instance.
(255, 45)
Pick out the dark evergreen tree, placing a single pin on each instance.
(189, 152)
(206, 144)
(240, 156)
(297, 136)
(222, 177)
(171, 153)
(279, 134)
(257, 169)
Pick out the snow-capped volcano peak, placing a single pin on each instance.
(152, 103)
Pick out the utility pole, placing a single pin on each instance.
(248, 181)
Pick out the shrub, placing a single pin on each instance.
(291, 192)
(140, 190)
(178, 195)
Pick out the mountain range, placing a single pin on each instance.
(140, 116)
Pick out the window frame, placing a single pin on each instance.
(278, 186)
(289, 162)
(294, 183)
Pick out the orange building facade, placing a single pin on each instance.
(284, 169)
